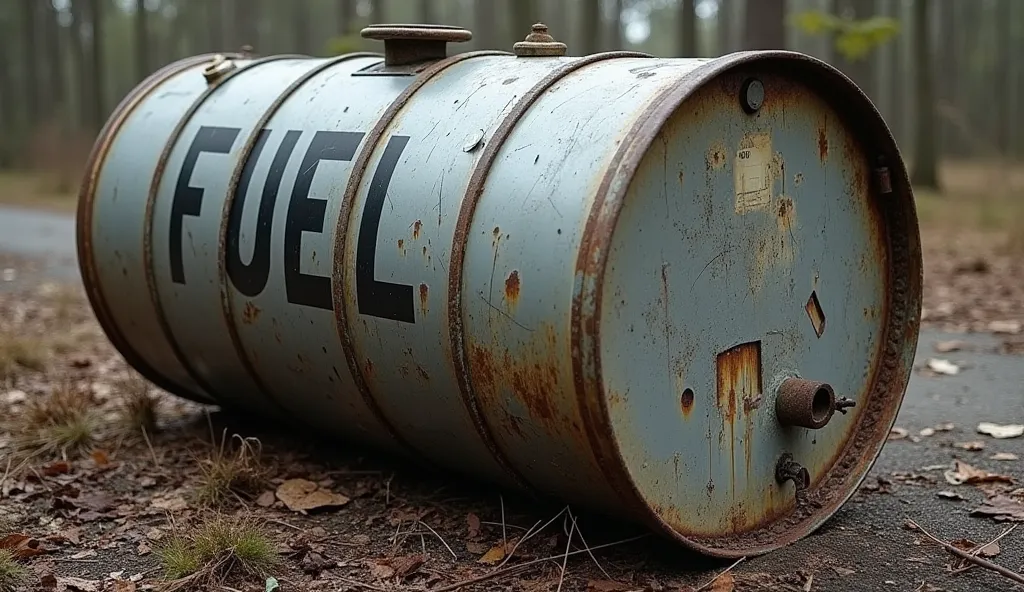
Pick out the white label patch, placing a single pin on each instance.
(753, 173)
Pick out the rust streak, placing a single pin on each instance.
(250, 313)
(823, 142)
(424, 290)
(738, 379)
(512, 288)
(422, 373)
(416, 227)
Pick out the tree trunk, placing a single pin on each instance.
(523, 16)
(300, 26)
(948, 68)
(590, 26)
(346, 16)
(7, 112)
(378, 12)
(99, 105)
(54, 59)
(484, 23)
(688, 28)
(30, 71)
(215, 24)
(141, 40)
(81, 64)
(427, 15)
(615, 36)
(764, 25)
(925, 172)
(247, 17)
(558, 20)
(723, 24)
(1002, 83)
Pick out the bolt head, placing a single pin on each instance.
(752, 95)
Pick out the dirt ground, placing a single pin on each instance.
(101, 514)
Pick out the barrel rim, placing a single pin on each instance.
(154, 189)
(467, 209)
(863, 446)
(84, 222)
(340, 273)
(227, 307)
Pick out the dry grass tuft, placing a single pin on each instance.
(215, 550)
(17, 353)
(13, 576)
(62, 423)
(232, 472)
(138, 407)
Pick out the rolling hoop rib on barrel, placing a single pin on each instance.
(84, 224)
(458, 250)
(151, 200)
(229, 199)
(342, 313)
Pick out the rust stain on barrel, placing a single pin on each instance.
(823, 143)
(401, 246)
(738, 379)
(250, 313)
(512, 288)
(424, 291)
(416, 227)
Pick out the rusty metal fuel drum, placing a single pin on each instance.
(682, 291)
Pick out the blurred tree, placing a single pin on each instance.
(764, 25)
(524, 15)
(615, 37)
(723, 22)
(1002, 88)
(79, 63)
(925, 170)
(30, 84)
(97, 32)
(484, 24)
(427, 14)
(53, 59)
(215, 25)
(301, 35)
(688, 28)
(854, 38)
(346, 11)
(590, 26)
(378, 11)
(247, 18)
(141, 40)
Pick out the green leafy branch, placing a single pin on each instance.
(854, 39)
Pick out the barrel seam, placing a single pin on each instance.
(467, 208)
(85, 216)
(154, 188)
(226, 305)
(340, 275)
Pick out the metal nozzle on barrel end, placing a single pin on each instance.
(805, 403)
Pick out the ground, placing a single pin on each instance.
(102, 514)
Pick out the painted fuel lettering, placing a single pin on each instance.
(305, 214)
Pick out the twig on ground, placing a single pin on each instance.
(440, 539)
(999, 569)
(358, 584)
(283, 523)
(977, 548)
(504, 538)
(708, 583)
(529, 534)
(565, 560)
(145, 436)
(512, 569)
(586, 546)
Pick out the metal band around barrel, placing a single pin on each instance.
(340, 274)
(154, 188)
(229, 199)
(84, 223)
(458, 252)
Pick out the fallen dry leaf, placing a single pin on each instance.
(1005, 327)
(950, 495)
(963, 473)
(723, 583)
(22, 546)
(843, 571)
(85, 554)
(100, 458)
(944, 347)
(300, 495)
(407, 565)
(940, 366)
(124, 586)
(1001, 509)
(473, 522)
(56, 468)
(170, 504)
(143, 548)
(1004, 456)
(79, 584)
(497, 552)
(1001, 431)
(973, 446)
(154, 534)
(945, 427)
(97, 502)
(927, 432)
(266, 499)
(898, 433)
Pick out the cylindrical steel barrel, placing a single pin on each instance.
(683, 291)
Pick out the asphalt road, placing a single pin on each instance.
(865, 546)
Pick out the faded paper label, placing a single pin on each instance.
(753, 173)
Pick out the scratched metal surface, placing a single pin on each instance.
(191, 303)
(408, 364)
(518, 274)
(295, 349)
(710, 269)
(119, 214)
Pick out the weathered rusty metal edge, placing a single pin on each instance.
(467, 208)
(154, 188)
(340, 273)
(84, 218)
(902, 314)
(229, 199)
